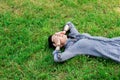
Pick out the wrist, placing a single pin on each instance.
(58, 48)
(66, 28)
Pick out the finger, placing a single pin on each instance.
(54, 45)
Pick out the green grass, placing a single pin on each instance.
(26, 24)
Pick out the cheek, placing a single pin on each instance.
(65, 37)
(62, 41)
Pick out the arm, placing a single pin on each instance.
(71, 27)
(60, 57)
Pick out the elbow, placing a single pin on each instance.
(58, 58)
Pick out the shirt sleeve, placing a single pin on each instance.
(73, 30)
(60, 57)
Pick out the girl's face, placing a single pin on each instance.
(59, 39)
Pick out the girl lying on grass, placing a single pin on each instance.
(78, 44)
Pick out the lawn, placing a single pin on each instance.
(24, 29)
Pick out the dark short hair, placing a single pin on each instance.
(50, 43)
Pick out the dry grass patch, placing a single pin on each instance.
(4, 7)
(36, 2)
(117, 9)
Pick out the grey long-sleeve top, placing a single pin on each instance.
(88, 45)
